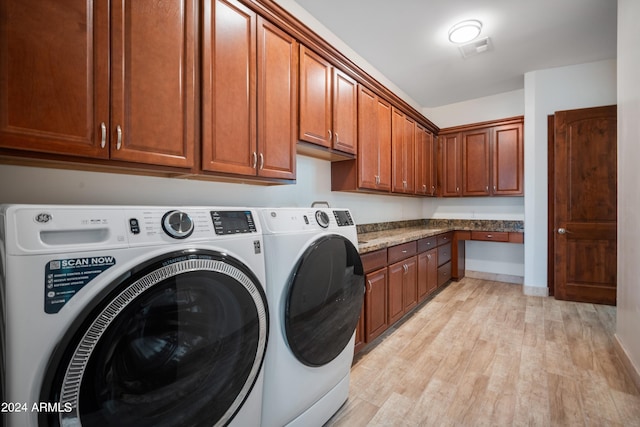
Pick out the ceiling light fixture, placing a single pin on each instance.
(465, 31)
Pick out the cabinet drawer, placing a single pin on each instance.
(444, 253)
(427, 243)
(445, 238)
(497, 236)
(374, 260)
(405, 250)
(444, 274)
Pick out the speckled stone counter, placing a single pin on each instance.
(376, 236)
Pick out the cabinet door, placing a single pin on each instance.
(425, 183)
(277, 101)
(315, 98)
(54, 76)
(152, 82)
(368, 142)
(395, 302)
(384, 145)
(450, 164)
(410, 282)
(508, 160)
(376, 304)
(345, 107)
(475, 163)
(229, 88)
(360, 332)
(402, 152)
(427, 273)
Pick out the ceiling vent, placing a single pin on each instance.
(476, 47)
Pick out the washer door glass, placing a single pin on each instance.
(180, 345)
(324, 301)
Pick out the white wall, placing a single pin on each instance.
(548, 91)
(628, 313)
(39, 185)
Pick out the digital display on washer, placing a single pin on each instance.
(343, 218)
(233, 222)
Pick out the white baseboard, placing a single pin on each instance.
(518, 280)
(633, 371)
(535, 291)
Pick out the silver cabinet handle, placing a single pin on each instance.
(337, 138)
(330, 135)
(433, 189)
(119, 140)
(457, 189)
(103, 139)
(369, 285)
(562, 231)
(255, 160)
(495, 188)
(489, 236)
(487, 188)
(261, 161)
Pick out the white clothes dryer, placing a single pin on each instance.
(136, 316)
(315, 291)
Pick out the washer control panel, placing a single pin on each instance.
(233, 222)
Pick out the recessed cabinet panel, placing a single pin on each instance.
(315, 98)
(475, 163)
(54, 76)
(508, 158)
(152, 83)
(229, 88)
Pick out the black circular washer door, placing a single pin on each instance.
(180, 345)
(325, 296)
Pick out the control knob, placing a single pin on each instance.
(177, 224)
(322, 218)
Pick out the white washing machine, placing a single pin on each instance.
(138, 316)
(315, 289)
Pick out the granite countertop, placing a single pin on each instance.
(372, 237)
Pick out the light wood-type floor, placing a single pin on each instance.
(481, 353)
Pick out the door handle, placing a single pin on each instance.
(563, 231)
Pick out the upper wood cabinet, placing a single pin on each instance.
(328, 104)
(249, 98)
(99, 79)
(371, 170)
(402, 153)
(449, 164)
(485, 159)
(425, 162)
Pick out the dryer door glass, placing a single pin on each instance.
(325, 296)
(181, 344)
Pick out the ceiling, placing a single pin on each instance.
(406, 40)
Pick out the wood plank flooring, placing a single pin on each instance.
(480, 353)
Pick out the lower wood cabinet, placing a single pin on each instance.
(403, 294)
(427, 273)
(375, 304)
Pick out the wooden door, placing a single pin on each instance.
(384, 145)
(345, 107)
(153, 80)
(54, 76)
(424, 162)
(395, 302)
(585, 204)
(427, 273)
(368, 140)
(410, 284)
(229, 88)
(376, 304)
(402, 153)
(508, 160)
(450, 164)
(475, 163)
(277, 102)
(315, 98)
